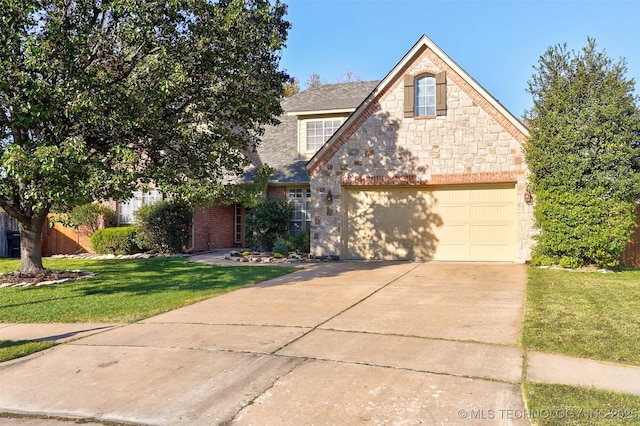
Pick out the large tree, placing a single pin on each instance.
(97, 96)
(584, 156)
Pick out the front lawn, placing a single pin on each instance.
(550, 405)
(586, 315)
(125, 290)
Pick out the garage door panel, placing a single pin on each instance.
(474, 223)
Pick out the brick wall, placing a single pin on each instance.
(214, 227)
(473, 143)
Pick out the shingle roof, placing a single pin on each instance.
(330, 96)
(279, 144)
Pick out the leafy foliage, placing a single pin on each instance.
(280, 246)
(89, 215)
(266, 221)
(584, 156)
(164, 226)
(96, 97)
(120, 240)
(247, 194)
(300, 243)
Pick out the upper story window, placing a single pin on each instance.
(425, 96)
(127, 209)
(318, 132)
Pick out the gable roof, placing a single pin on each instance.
(357, 118)
(279, 144)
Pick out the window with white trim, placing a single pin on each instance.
(318, 132)
(425, 96)
(127, 209)
(301, 215)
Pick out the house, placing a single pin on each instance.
(424, 164)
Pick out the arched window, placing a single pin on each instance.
(425, 96)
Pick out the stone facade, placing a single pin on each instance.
(473, 143)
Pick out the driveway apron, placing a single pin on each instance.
(340, 343)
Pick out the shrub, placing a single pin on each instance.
(538, 259)
(570, 262)
(583, 228)
(278, 255)
(121, 240)
(164, 226)
(300, 243)
(280, 246)
(266, 221)
(246, 253)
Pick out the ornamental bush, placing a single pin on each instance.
(266, 221)
(280, 246)
(164, 226)
(300, 243)
(581, 228)
(120, 240)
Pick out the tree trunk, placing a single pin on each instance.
(31, 244)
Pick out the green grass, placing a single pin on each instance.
(587, 315)
(551, 405)
(10, 349)
(124, 290)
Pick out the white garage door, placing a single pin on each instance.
(463, 223)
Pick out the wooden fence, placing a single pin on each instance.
(61, 239)
(631, 256)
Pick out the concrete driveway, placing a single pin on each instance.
(339, 343)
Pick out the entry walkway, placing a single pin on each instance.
(344, 343)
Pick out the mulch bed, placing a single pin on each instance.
(46, 277)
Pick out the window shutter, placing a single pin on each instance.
(408, 96)
(441, 93)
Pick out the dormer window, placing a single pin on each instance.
(319, 131)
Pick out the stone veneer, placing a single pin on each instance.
(473, 143)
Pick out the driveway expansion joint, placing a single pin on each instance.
(318, 326)
(259, 395)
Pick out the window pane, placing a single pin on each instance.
(425, 99)
(301, 215)
(318, 132)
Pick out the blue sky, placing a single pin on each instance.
(496, 42)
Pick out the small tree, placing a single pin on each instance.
(314, 80)
(91, 216)
(584, 156)
(266, 221)
(291, 87)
